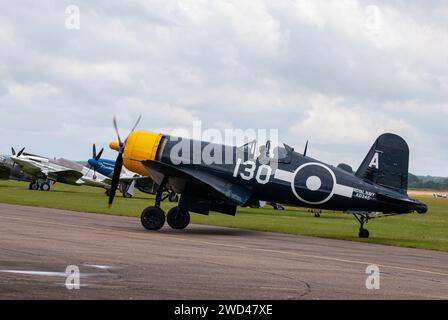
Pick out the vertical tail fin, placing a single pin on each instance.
(387, 163)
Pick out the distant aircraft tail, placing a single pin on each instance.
(387, 163)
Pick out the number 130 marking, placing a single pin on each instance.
(262, 174)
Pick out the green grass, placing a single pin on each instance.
(428, 231)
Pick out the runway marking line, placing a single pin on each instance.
(128, 233)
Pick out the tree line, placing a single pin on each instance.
(428, 182)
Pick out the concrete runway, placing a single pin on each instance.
(118, 259)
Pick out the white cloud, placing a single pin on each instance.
(332, 71)
(330, 121)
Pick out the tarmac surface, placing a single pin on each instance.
(118, 259)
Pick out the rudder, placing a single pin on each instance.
(387, 163)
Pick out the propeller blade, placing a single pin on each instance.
(94, 151)
(119, 162)
(136, 123)
(306, 149)
(116, 131)
(20, 152)
(13, 151)
(115, 178)
(98, 157)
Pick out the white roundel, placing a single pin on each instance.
(313, 183)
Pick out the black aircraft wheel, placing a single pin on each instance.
(127, 195)
(107, 193)
(178, 218)
(364, 233)
(173, 197)
(34, 186)
(153, 218)
(45, 186)
(317, 215)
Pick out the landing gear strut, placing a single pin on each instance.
(153, 218)
(363, 219)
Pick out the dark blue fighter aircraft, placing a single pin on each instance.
(177, 164)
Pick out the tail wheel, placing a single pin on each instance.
(363, 219)
(127, 195)
(45, 186)
(152, 218)
(178, 218)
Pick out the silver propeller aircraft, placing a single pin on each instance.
(46, 172)
(43, 172)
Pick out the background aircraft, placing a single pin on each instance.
(128, 180)
(10, 171)
(378, 187)
(45, 172)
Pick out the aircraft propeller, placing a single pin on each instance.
(95, 155)
(306, 149)
(119, 162)
(18, 154)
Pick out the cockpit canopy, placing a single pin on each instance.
(280, 154)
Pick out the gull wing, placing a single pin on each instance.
(206, 183)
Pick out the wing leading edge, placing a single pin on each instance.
(232, 192)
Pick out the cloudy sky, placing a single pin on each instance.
(338, 73)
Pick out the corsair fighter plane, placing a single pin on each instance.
(378, 187)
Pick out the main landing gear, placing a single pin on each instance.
(363, 219)
(40, 184)
(153, 218)
(178, 218)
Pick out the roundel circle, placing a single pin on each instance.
(313, 183)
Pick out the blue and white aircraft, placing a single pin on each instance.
(128, 179)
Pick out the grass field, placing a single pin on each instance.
(428, 231)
